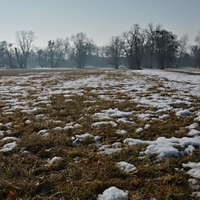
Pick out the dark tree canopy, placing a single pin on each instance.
(166, 46)
(82, 48)
(134, 40)
(114, 50)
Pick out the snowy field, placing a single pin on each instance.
(97, 134)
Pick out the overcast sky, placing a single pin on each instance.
(99, 19)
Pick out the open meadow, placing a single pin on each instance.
(100, 134)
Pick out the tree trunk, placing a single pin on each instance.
(19, 59)
(116, 63)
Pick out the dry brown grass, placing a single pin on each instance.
(83, 173)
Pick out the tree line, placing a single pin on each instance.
(135, 48)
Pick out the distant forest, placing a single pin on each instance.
(137, 48)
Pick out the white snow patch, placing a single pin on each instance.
(139, 130)
(147, 126)
(77, 139)
(125, 121)
(8, 147)
(1, 133)
(193, 133)
(9, 138)
(53, 160)
(126, 167)
(40, 116)
(104, 123)
(121, 132)
(106, 149)
(28, 121)
(183, 113)
(132, 142)
(195, 169)
(164, 117)
(113, 193)
(117, 145)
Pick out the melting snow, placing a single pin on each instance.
(126, 167)
(136, 89)
(113, 193)
(8, 147)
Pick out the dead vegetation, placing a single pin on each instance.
(83, 173)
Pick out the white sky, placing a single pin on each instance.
(99, 19)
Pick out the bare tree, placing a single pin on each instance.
(57, 50)
(7, 54)
(24, 39)
(134, 46)
(150, 32)
(197, 55)
(114, 50)
(166, 47)
(182, 48)
(42, 57)
(82, 48)
(197, 39)
(194, 54)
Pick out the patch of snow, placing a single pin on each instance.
(28, 121)
(71, 125)
(167, 146)
(125, 121)
(40, 116)
(196, 194)
(106, 149)
(132, 142)
(147, 126)
(29, 111)
(9, 138)
(195, 169)
(144, 117)
(193, 133)
(117, 145)
(104, 123)
(197, 119)
(113, 193)
(8, 147)
(192, 126)
(193, 183)
(53, 160)
(126, 167)
(164, 117)
(77, 139)
(9, 124)
(78, 126)
(43, 131)
(121, 132)
(58, 128)
(139, 130)
(183, 113)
